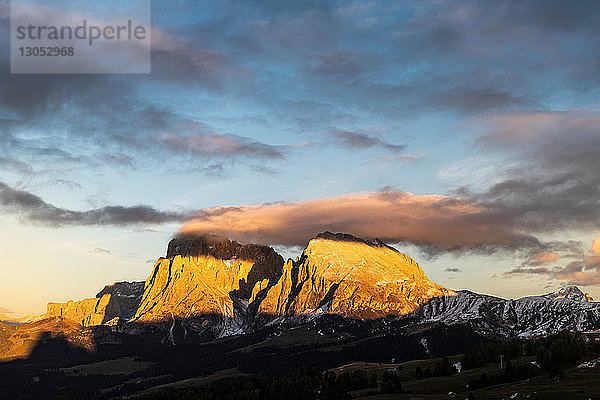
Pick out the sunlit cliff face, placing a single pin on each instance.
(87, 312)
(353, 279)
(212, 276)
(182, 287)
(335, 274)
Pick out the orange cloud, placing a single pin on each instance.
(4, 310)
(596, 246)
(583, 278)
(583, 272)
(546, 257)
(432, 220)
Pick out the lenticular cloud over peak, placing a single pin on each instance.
(430, 220)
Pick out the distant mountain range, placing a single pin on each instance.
(17, 320)
(208, 286)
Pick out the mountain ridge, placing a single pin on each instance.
(352, 277)
(119, 300)
(570, 292)
(213, 287)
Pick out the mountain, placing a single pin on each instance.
(18, 320)
(209, 286)
(213, 308)
(570, 293)
(352, 277)
(125, 298)
(208, 281)
(525, 317)
(86, 312)
(120, 300)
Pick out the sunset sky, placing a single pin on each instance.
(466, 133)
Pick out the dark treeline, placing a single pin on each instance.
(552, 354)
(441, 368)
(310, 384)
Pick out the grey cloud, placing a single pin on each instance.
(526, 270)
(552, 186)
(126, 136)
(118, 159)
(226, 56)
(475, 99)
(363, 141)
(116, 132)
(453, 269)
(261, 169)
(215, 170)
(555, 188)
(342, 64)
(35, 210)
(556, 185)
(219, 53)
(179, 59)
(15, 165)
(71, 185)
(314, 42)
(219, 145)
(584, 271)
(553, 15)
(101, 251)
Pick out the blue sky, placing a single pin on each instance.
(290, 108)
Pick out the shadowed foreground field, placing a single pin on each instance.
(329, 358)
(576, 383)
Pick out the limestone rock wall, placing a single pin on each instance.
(87, 312)
(120, 300)
(352, 278)
(181, 287)
(209, 275)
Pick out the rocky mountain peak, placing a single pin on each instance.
(345, 237)
(354, 277)
(266, 262)
(206, 276)
(571, 293)
(198, 245)
(120, 299)
(123, 289)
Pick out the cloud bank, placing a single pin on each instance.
(34, 210)
(437, 222)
